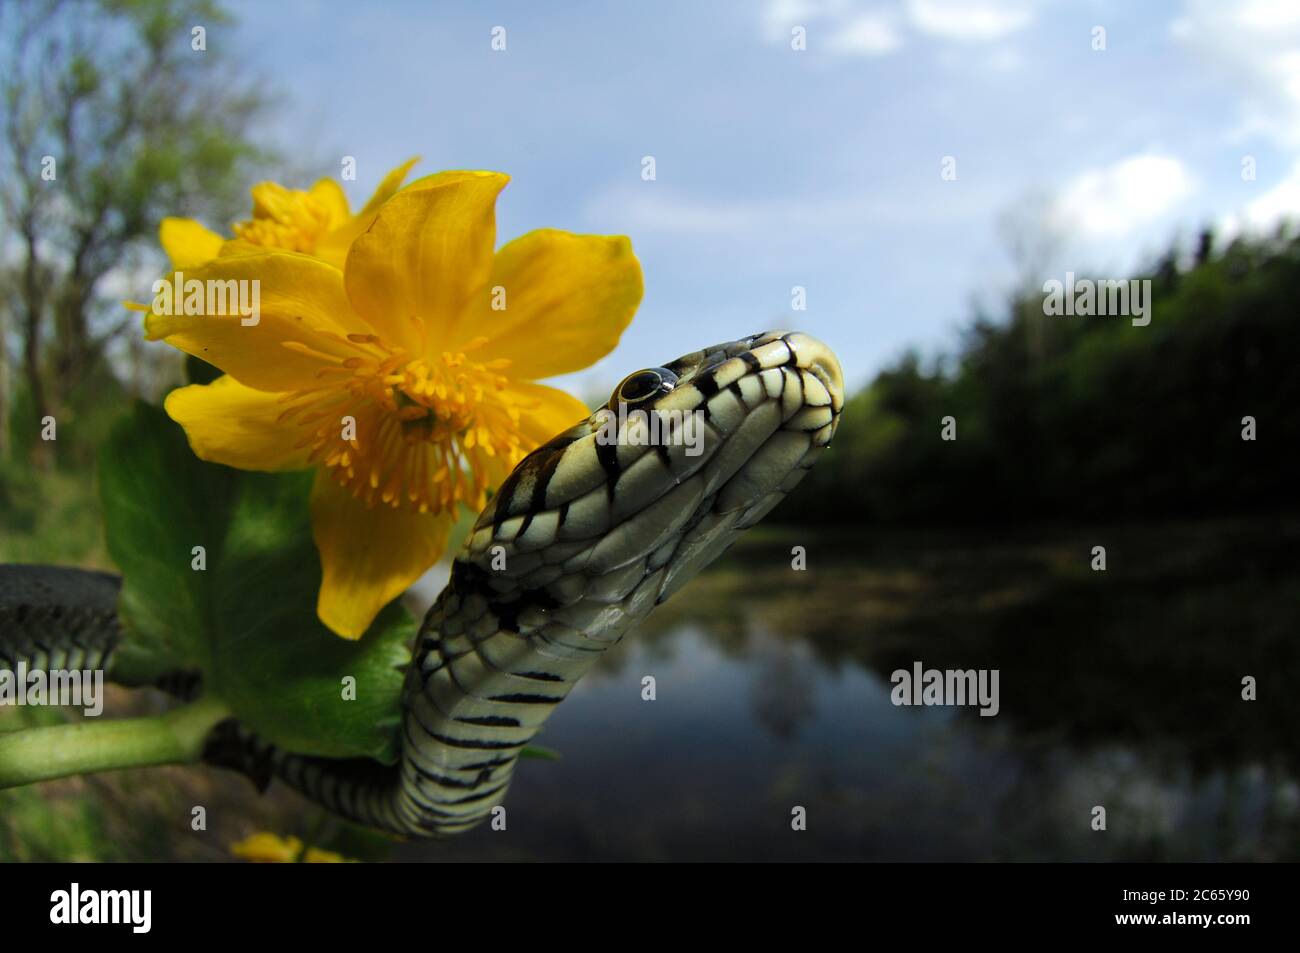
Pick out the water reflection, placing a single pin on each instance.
(784, 690)
(1119, 689)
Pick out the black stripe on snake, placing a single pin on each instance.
(582, 540)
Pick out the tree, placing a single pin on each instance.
(114, 116)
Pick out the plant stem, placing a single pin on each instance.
(40, 754)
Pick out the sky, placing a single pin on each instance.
(830, 167)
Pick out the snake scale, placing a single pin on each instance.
(583, 539)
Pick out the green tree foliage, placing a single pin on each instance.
(1069, 418)
(112, 120)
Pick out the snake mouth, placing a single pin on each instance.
(818, 359)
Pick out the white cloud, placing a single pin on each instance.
(1280, 203)
(780, 15)
(868, 34)
(841, 26)
(863, 28)
(970, 21)
(1255, 45)
(1117, 199)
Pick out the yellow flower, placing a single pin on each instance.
(401, 378)
(315, 855)
(267, 848)
(315, 222)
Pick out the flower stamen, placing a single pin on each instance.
(429, 432)
(285, 218)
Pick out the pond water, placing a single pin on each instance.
(1120, 689)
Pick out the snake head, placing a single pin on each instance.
(612, 516)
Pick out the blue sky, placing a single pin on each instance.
(820, 167)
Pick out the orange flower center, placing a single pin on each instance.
(410, 431)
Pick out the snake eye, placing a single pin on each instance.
(643, 385)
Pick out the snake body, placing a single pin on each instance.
(583, 539)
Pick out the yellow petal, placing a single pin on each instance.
(331, 196)
(302, 316)
(567, 300)
(187, 242)
(334, 246)
(389, 186)
(315, 855)
(427, 252)
(235, 425)
(267, 848)
(369, 555)
(545, 411)
(234, 247)
(270, 199)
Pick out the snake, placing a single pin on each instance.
(585, 536)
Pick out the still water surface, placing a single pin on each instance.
(1119, 689)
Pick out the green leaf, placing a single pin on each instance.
(541, 753)
(248, 621)
(159, 503)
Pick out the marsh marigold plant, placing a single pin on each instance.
(316, 221)
(405, 374)
(267, 848)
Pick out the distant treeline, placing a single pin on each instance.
(1066, 418)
